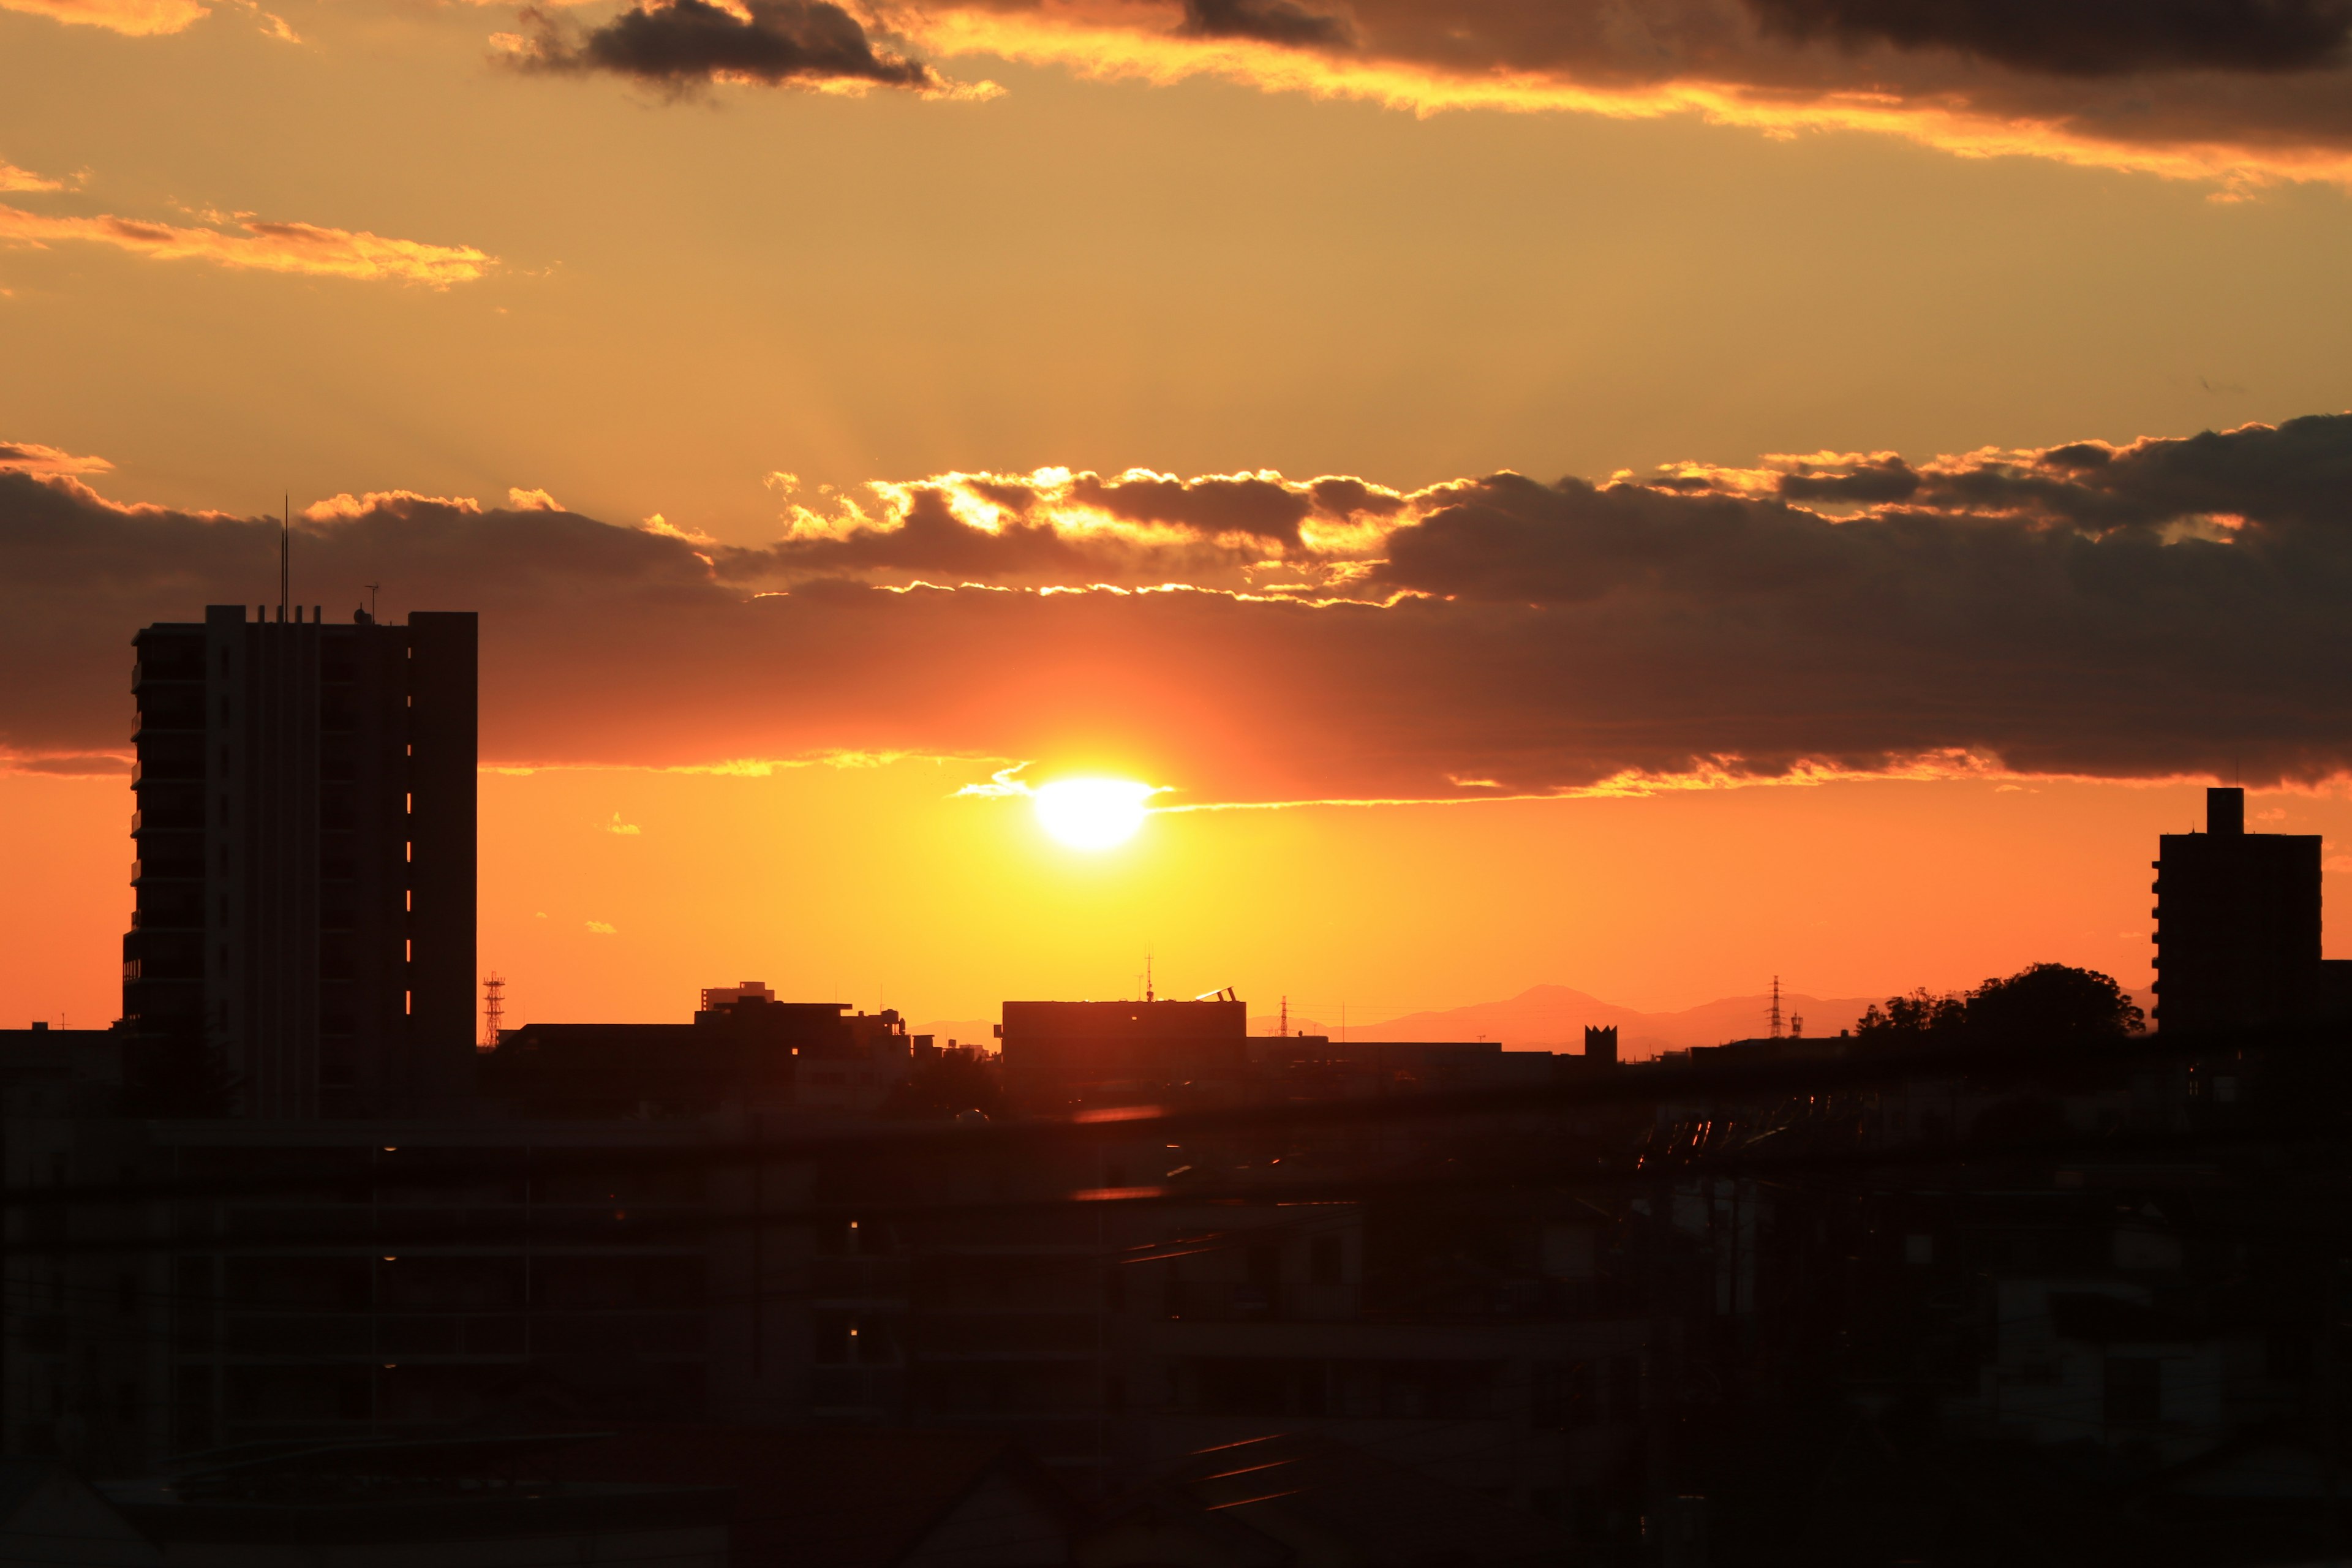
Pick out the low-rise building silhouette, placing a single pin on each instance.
(1064, 1053)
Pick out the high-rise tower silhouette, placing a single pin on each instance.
(2238, 922)
(306, 842)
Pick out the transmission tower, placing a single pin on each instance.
(1776, 1006)
(494, 1012)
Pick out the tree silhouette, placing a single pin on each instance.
(2051, 1003)
(2054, 1003)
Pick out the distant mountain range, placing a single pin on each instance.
(1552, 1018)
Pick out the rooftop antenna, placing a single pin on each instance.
(1776, 1007)
(494, 1010)
(372, 587)
(285, 553)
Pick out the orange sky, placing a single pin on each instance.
(765, 407)
(877, 886)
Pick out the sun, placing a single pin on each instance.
(1090, 814)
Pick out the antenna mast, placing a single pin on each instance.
(285, 553)
(1284, 1029)
(494, 1010)
(1776, 1006)
(1147, 978)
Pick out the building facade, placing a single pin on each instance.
(2238, 923)
(303, 936)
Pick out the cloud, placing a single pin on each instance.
(2242, 92)
(96, 765)
(1884, 478)
(13, 178)
(1056, 527)
(2164, 607)
(253, 244)
(32, 457)
(137, 18)
(2086, 37)
(1272, 21)
(680, 45)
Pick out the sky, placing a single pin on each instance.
(1643, 496)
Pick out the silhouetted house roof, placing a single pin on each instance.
(743, 1051)
(285, 1519)
(1303, 1497)
(843, 1498)
(48, 1518)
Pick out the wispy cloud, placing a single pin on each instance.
(32, 457)
(254, 244)
(137, 18)
(13, 178)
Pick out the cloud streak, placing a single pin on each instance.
(2085, 37)
(256, 245)
(13, 178)
(136, 18)
(2242, 92)
(2166, 607)
(32, 457)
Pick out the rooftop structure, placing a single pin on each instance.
(1061, 1052)
(2238, 922)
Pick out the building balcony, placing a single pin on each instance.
(145, 673)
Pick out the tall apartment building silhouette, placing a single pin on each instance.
(306, 857)
(2238, 922)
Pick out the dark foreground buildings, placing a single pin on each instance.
(783, 1284)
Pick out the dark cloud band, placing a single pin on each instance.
(2166, 607)
(2085, 37)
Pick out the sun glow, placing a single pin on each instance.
(1090, 814)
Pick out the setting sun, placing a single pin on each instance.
(1091, 814)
